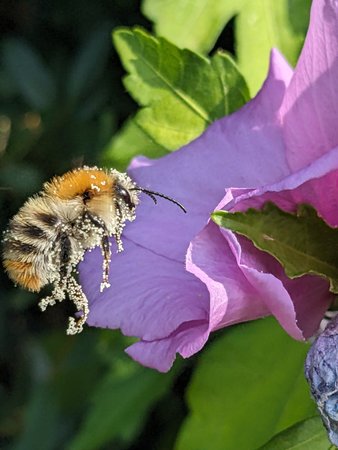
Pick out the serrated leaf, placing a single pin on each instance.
(306, 435)
(303, 243)
(180, 91)
(262, 25)
(244, 390)
(32, 77)
(193, 24)
(128, 142)
(119, 407)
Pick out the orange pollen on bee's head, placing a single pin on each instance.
(78, 181)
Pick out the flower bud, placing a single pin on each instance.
(321, 371)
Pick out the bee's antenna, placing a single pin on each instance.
(152, 194)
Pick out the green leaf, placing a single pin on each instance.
(245, 389)
(262, 25)
(120, 406)
(299, 15)
(303, 243)
(89, 63)
(181, 92)
(130, 141)
(193, 24)
(306, 435)
(32, 77)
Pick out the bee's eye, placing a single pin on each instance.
(123, 194)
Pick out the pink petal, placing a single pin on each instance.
(232, 298)
(298, 304)
(160, 354)
(310, 108)
(316, 185)
(150, 296)
(245, 283)
(244, 149)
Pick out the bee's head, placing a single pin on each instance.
(124, 195)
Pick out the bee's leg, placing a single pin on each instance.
(118, 241)
(77, 296)
(60, 283)
(105, 246)
(118, 230)
(67, 283)
(58, 294)
(65, 254)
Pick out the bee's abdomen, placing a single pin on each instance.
(27, 246)
(24, 274)
(20, 260)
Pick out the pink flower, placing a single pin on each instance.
(180, 276)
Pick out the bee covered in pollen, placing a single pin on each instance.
(50, 234)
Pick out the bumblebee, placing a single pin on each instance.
(73, 213)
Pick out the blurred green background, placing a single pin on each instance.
(63, 104)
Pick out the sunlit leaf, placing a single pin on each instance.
(262, 25)
(180, 91)
(248, 386)
(128, 142)
(193, 24)
(306, 435)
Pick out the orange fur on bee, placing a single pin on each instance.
(76, 182)
(23, 274)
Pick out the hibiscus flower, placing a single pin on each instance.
(180, 276)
